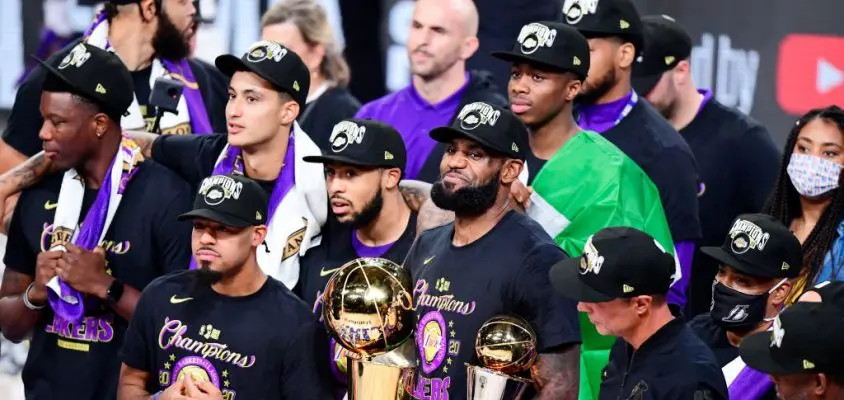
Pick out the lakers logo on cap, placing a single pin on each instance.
(216, 189)
(475, 114)
(591, 261)
(535, 35)
(746, 235)
(77, 56)
(344, 134)
(266, 50)
(575, 10)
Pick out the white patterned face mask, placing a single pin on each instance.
(813, 176)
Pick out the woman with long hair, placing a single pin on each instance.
(806, 197)
(303, 27)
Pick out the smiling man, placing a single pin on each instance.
(364, 162)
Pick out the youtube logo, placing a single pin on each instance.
(810, 72)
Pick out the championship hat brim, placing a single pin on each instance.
(565, 278)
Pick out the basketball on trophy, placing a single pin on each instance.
(367, 306)
(506, 344)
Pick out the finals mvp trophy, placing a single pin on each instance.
(368, 310)
(505, 345)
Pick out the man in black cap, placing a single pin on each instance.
(621, 282)
(151, 39)
(803, 353)
(758, 258)
(205, 333)
(364, 162)
(549, 63)
(86, 241)
(490, 260)
(608, 105)
(731, 184)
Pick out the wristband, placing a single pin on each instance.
(26, 301)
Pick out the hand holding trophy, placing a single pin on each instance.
(505, 345)
(368, 309)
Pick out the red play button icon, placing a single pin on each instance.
(810, 72)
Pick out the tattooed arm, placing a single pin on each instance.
(144, 141)
(417, 196)
(556, 373)
(24, 175)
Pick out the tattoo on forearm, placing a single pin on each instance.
(415, 193)
(25, 175)
(557, 374)
(431, 216)
(144, 141)
(14, 283)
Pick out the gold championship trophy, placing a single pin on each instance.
(368, 310)
(505, 346)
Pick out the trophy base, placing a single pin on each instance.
(486, 384)
(375, 381)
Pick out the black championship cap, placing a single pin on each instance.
(232, 200)
(605, 18)
(805, 339)
(363, 142)
(666, 44)
(491, 126)
(550, 45)
(830, 292)
(95, 74)
(617, 262)
(275, 63)
(759, 245)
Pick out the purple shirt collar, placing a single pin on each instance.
(368, 251)
(449, 103)
(707, 94)
(602, 117)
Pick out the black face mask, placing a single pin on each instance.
(736, 311)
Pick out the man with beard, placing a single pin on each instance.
(151, 38)
(490, 260)
(757, 260)
(733, 182)
(204, 334)
(442, 37)
(607, 105)
(363, 162)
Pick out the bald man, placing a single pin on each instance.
(442, 36)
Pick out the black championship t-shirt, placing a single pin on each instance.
(25, 120)
(715, 337)
(457, 289)
(650, 141)
(339, 246)
(738, 164)
(259, 346)
(145, 241)
(318, 117)
(534, 164)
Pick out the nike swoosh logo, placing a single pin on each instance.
(323, 272)
(176, 300)
(50, 206)
(427, 260)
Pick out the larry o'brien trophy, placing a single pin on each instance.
(368, 309)
(505, 345)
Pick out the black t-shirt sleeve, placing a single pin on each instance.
(304, 375)
(25, 119)
(553, 317)
(677, 180)
(19, 255)
(136, 351)
(190, 156)
(759, 167)
(173, 237)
